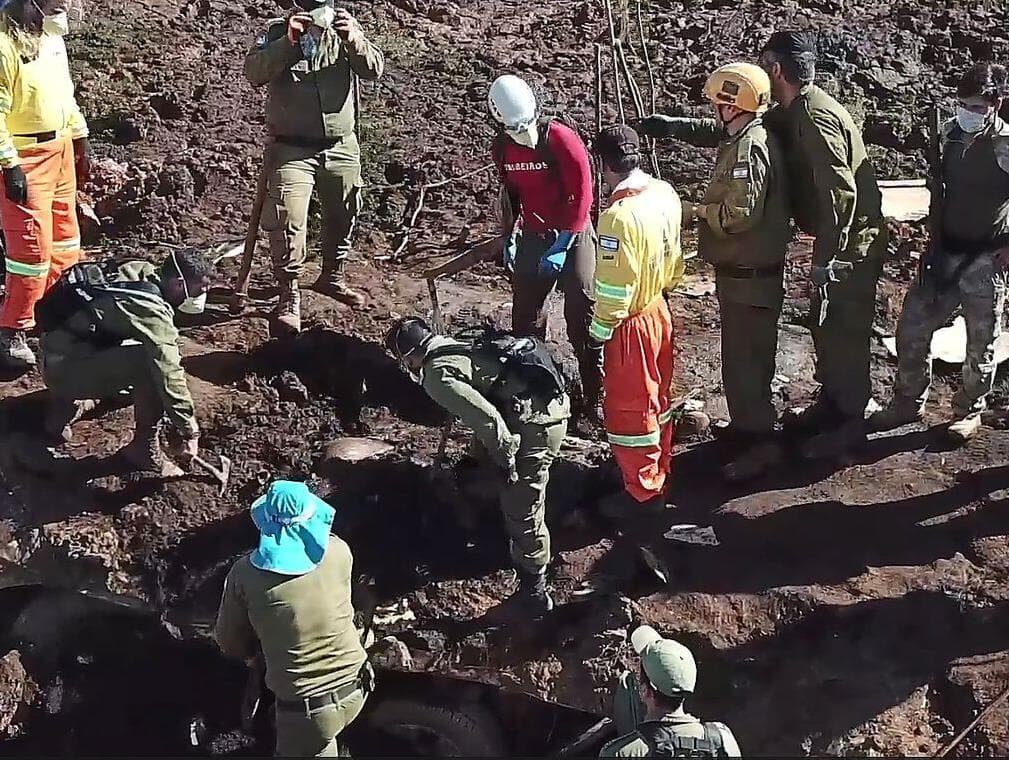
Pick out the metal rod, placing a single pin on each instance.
(613, 55)
(971, 726)
(599, 124)
(590, 735)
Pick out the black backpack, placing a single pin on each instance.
(663, 741)
(526, 360)
(76, 290)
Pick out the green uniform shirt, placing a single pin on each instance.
(834, 193)
(683, 724)
(310, 99)
(458, 381)
(747, 222)
(303, 624)
(975, 173)
(142, 317)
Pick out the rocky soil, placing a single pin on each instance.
(851, 610)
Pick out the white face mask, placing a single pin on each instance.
(194, 304)
(529, 137)
(58, 24)
(971, 121)
(323, 17)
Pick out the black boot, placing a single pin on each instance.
(532, 596)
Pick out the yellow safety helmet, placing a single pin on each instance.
(742, 85)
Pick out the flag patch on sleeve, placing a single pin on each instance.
(741, 172)
(609, 243)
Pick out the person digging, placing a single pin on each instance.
(108, 330)
(511, 394)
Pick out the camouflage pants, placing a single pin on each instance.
(523, 503)
(980, 289)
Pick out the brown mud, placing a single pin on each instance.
(857, 609)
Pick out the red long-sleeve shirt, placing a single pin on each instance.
(552, 182)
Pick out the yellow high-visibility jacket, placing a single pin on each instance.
(36, 96)
(639, 254)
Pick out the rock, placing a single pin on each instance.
(290, 388)
(392, 653)
(355, 449)
(17, 691)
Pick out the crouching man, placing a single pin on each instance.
(105, 330)
(289, 601)
(511, 394)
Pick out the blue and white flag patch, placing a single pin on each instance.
(609, 243)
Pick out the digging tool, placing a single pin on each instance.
(587, 738)
(483, 250)
(251, 238)
(973, 724)
(221, 474)
(436, 320)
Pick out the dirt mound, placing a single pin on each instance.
(856, 610)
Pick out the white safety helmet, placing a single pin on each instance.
(513, 104)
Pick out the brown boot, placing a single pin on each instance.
(62, 415)
(287, 317)
(332, 283)
(144, 451)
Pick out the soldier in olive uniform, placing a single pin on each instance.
(310, 61)
(520, 422)
(966, 266)
(836, 199)
(123, 336)
(744, 231)
(648, 706)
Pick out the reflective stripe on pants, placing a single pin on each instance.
(43, 239)
(637, 380)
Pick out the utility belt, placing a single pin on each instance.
(748, 273)
(952, 245)
(320, 143)
(364, 683)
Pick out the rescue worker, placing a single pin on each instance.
(518, 412)
(122, 335)
(547, 197)
(649, 706)
(44, 154)
(311, 61)
(967, 265)
(288, 605)
(836, 199)
(744, 229)
(638, 260)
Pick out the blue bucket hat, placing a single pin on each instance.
(294, 528)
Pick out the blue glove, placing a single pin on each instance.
(552, 262)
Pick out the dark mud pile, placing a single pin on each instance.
(856, 610)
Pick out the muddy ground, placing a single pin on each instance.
(858, 609)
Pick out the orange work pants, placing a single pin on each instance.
(42, 236)
(637, 383)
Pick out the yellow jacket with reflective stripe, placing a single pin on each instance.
(639, 254)
(35, 96)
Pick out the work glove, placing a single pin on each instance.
(552, 262)
(835, 271)
(655, 125)
(16, 185)
(511, 448)
(82, 160)
(510, 250)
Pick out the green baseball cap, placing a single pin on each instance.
(669, 665)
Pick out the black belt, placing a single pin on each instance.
(315, 703)
(40, 136)
(309, 142)
(748, 273)
(973, 247)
